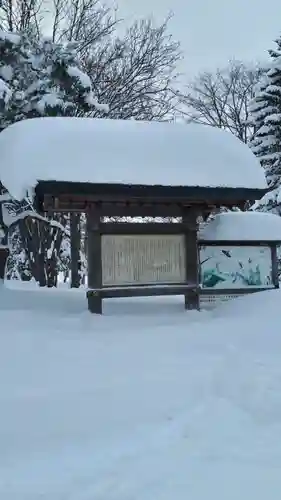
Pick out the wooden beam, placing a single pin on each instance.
(141, 228)
(94, 261)
(142, 291)
(140, 210)
(107, 209)
(233, 291)
(228, 243)
(121, 206)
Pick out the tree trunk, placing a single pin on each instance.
(42, 243)
(75, 236)
(51, 271)
(4, 253)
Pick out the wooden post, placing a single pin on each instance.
(75, 242)
(94, 261)
(189, 220)
(274, 262)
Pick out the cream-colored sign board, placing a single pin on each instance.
(143, 259)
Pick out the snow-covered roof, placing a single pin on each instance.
(128, 152)
(239, 226)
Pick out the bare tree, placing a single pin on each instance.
(135, 75)
(87, 22)
(84, 21)
(221, 99)
(21, 15)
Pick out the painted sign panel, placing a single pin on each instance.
(235, 267)
(142, 259)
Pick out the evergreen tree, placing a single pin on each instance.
(266, 116)
(38, 78)
(42, 78)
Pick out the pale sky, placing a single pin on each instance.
(213, 31)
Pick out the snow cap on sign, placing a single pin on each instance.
(243, 226)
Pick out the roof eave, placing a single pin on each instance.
(179, 194)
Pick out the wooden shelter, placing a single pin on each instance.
(165, 175)
(176, 241)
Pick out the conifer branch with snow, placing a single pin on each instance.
(266, 118)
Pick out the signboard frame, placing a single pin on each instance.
(143, 259)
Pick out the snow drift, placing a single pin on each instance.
(154, 404)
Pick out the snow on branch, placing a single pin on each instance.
(5, 197)
(13, 212)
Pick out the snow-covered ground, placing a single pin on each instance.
(147, 402)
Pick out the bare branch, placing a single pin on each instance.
(58, 8)
(87, 22)
(222, 99)
(21, 15)
(135, 75)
